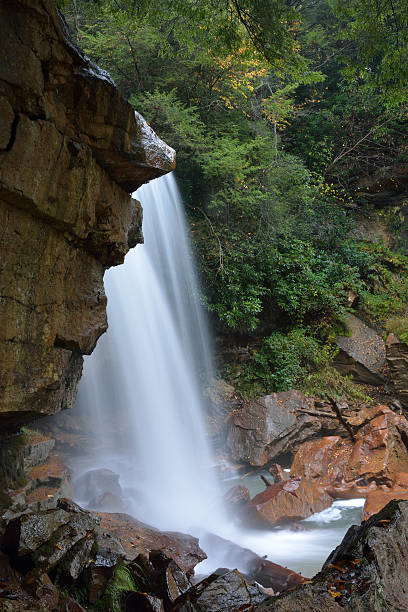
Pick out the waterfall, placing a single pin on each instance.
(142, 386)
(141, 396)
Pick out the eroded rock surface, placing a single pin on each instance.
(362, 353)
(223, 591)
(71, 149)
(288, 502)
(137, 537)
(267, 427)
(376, 457)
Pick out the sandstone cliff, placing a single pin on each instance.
(71, 150)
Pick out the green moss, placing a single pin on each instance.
(121, 582)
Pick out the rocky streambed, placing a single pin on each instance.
(59, 556)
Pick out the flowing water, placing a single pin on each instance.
(141, 394)
(145, 374)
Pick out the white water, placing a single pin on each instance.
(141, 386)
(141, 392)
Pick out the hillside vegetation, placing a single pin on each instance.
(290, 125)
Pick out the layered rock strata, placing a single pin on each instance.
(71, 150)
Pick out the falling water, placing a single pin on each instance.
(142, 385)
(141, 393)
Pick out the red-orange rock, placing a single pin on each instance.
(377, 500)
(378, 457)
(379, 452)
(287, 502)
(323, 459)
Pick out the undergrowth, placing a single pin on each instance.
(329, 383)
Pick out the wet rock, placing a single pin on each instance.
(377, 500)
(237, 496)
(76, 559)
(286, 502)
(277, 473)
(361, 354)
(28, 532)
(81, 525)
(255, 568)
(272, 425)
(323, 459)
(109, 553)
(160, 575)
(229, 593)
(107, 502)
(378, 454)
(143, 602)
(397, 360)
(367, 572)
(137, 537)
(93, 487)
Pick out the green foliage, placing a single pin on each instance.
(276, 110)
(121, 582)
(377, 57)
(327, 383)
(285, 359)
(399, 327)
(385, 293)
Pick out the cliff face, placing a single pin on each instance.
(71, 150)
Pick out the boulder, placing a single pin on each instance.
(237, 496)
(361, 353)
(61, 545)
(231, 593)
(286, 502)
(138, 538)
(377, 456)
(44, 539)
(270, 426)
(28, 532)
(367, 572)
(224, 591)
(397, 360)
(377, 500)
(91, 487)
